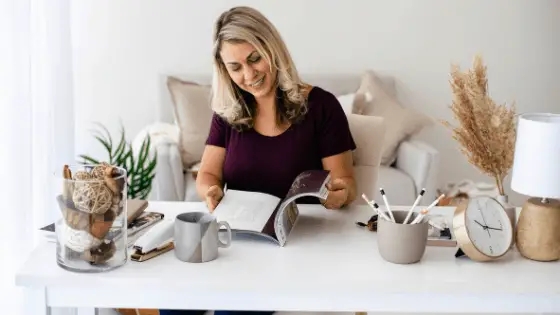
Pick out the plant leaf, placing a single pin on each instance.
(105, 144)
(120, 148)
(140, 169)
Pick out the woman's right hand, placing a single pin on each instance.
(213, 196)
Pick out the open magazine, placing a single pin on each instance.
(267, 215)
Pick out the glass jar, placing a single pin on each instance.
(91, 230)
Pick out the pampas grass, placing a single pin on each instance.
(486, 131)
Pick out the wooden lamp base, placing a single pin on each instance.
(538, 230)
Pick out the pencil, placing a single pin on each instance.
(433, 204)
(414, 205)
(425, 211)
(387, 204)
(375, 207)
(420, 216)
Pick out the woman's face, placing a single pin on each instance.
(247, 68)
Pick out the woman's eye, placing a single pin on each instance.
(255, 59)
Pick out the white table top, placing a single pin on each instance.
(328, 264)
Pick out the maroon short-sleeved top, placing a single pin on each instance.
(269, 164)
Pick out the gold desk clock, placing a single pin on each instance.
(482, 228)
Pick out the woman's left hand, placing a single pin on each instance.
(338, 194)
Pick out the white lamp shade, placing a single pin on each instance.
(536, 164)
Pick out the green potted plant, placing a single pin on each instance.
(140, 168)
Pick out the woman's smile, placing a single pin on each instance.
(257, 83)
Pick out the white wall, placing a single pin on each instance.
(121, 47)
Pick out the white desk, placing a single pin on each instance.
(329, 264)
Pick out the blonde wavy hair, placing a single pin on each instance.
(244, 24)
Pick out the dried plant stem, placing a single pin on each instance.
(486, 131)
(500, 185)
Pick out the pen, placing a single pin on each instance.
(414, 205)
(387, 204)
(375, 207)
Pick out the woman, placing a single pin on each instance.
(268, 126)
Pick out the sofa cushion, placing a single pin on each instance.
(399, 187)
(401, 123)
(190, 187)
(347, 102)
(193, 115)
(368, 133)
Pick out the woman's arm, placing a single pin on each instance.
(343, 190)
(210, 172)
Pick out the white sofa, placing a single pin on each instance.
(415, 166)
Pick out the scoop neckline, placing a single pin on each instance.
(272, 137)
(291, 126)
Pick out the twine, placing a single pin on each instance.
(99, 170)
(92, 197)
(82, 175)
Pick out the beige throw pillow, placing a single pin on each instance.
(368, 133)
(400, 122)
(193, 115)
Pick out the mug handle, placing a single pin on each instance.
(228, 241)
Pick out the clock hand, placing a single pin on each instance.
(484, 220)
(483, 226)
(482, 214)
(491, 228)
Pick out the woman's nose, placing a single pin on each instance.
(249, 73)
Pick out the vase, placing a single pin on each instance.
(538, 229)
(91, 229)
(510, 210)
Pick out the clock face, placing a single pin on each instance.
(488, 226)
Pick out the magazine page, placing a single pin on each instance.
(288, 219)
(246, 210)
(309, 183)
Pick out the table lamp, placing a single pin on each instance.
(536, 173)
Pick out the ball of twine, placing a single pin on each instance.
(99, 170)
(82, 175)
(93, 197)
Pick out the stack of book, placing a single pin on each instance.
(138, 220)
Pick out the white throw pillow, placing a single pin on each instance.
(368, 133)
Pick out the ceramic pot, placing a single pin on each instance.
(538, 230)
(402, 243)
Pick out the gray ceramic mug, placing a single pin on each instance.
(196, 237)
(402, 243)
